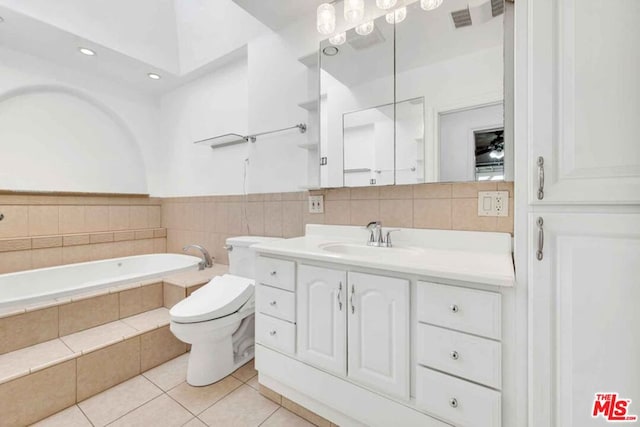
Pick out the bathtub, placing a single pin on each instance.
(27, 287)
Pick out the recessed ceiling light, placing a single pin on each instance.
(87, 51)
(154, 76)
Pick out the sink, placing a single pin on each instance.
(365, 250)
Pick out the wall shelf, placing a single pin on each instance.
(309, 146)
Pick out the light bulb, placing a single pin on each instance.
(386, 4)
(326, 19)
(86, 51)
(353, 11)
(495, 154)
(397, 16)
(430, 4)
(338, 39)
(365, 29)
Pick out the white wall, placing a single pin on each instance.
(70, 117)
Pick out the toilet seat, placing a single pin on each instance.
(222, 296)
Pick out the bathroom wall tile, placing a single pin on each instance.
(465, 216)
(88, 313)
(143, 247)
(432, 213)
(432, 191)
(130, 302)
(13, 199)
(309, 218)
(123, 249)
(101, 251)
(24, 330)
(197, 399)
(72, 219)
(159, 346)
(273, 219)
(101, 238)
(257, 197)
(222, 217)
(302, 412)
(470, 189)
(119, 217)
(46, 242)
(338, 194)
(270, 394)
(337, 212)
(396, 192)
(234, 219)
(15, 261)
(154, 216)
(104, 368)
(504, 224)
(293, 196)
(76, 239)
(53, 389)
(194, 216)
(74, 254)
(505, 186)
(143, 234)
(242, 407)
(210, 213)
(43, 220)
(49, 257)
(172, 295)
(254, 215)
(358, 193)
(160, 245)
(364, 211)
(15, 222)
(7, 245)
(160, 232)
(292, 219)
(273, 197)
(138, 217)
(396, 213)
(119, 236)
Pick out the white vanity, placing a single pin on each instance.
(377, 336)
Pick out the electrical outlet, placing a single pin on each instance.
(493, 203)
(316, 204)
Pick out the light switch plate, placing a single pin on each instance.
(316, 204)
(493, 203)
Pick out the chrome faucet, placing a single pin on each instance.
(376, 236)
(207, 260)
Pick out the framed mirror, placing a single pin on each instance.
(435, 79)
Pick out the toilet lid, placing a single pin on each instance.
(222, 296)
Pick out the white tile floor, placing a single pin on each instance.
(161, 397)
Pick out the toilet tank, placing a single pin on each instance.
(242, 259)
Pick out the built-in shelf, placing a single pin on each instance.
(310, 60)
(309, 146)
(309, 187)
(357, 170)
(312, 104)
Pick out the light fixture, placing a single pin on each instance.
(154, 76)
(365, 29)
(386, 4)
(430, 4)
(496, 154)
(397, 16)
(338, 39)
(353, 11)
(326, 19)
(86, 51)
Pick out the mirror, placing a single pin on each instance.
(416, 101)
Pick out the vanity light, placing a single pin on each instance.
(353, 11)
(154, 76)
(326, 18)
(495, 154)
(86, 51)
(430, 4)
(397, 16)
(365, 29)
(338, 39)
(386, 4)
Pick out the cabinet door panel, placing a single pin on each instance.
(378, 345)
(322, 329)
(585, 337)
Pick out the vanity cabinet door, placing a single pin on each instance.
(378, 326)
(322, 323)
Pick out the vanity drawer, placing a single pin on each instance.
(467, 310)
(467, 356)
(276, 272)
(457, 401)
(276, 302)
(275, 333)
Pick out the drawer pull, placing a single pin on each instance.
(453, 402)
(272, 333)
(273, 273)
(455, 355)
(454, 308)
(273, 303)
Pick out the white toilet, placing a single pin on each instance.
(218, 319)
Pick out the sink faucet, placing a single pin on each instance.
(207, 261)
(376, 237)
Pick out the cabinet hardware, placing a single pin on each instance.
(273, 303)
(353, 307)
(455, 355)
(273, 273)
(453, 402)
(539, 252)
(272, 333)
(454, 308)
(340, 296)
(540, 178)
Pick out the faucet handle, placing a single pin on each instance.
(388, 239)
(373, 223)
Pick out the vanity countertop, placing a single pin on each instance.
(476, 257)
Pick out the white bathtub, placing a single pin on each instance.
(31, 286)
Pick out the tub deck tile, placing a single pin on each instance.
(149, 320)
(21, 362)
(98, 337)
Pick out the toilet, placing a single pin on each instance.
(218, 319)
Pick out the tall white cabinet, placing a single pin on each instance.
(577, 110)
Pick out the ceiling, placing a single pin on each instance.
(277, 14)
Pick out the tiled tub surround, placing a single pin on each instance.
(209, 220)
(48, 230)
(64, 351)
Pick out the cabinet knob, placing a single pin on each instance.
(454, 308)
(273, 303)
(453, 402)
(273, 273)
(272, 333)
(454, 355)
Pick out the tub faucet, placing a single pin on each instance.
(207, 261)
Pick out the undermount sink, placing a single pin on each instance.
(365, 250)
